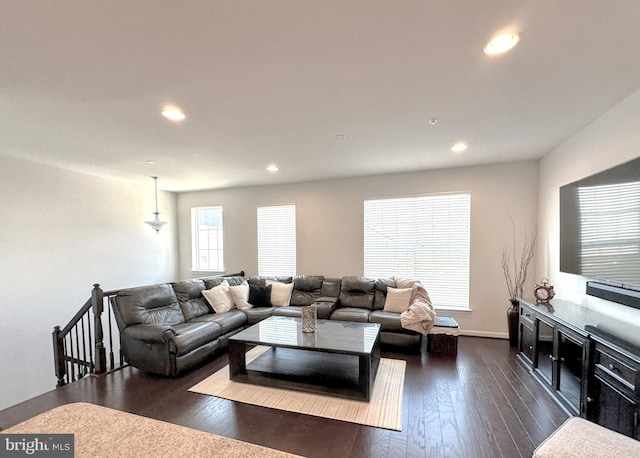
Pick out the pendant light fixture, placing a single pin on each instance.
(156, 224)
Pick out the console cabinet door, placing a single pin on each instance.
(572, 355)
(611, 407)
(544, 359)
(613, 390)
(527, 336)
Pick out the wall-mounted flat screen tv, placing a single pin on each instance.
(600, 226)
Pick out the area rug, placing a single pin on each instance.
(102, 432)
(383, 411)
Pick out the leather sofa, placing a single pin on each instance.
(362, 299)
(168, 328)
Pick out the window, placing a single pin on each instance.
(424, 238)
(277, 240)
(206, 224)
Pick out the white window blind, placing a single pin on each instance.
(426, 238)
(609, 226)
(206, 239)
(277, 240)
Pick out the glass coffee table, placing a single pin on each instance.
(339, 359)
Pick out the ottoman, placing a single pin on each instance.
(581, 438)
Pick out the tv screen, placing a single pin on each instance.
(600, 226)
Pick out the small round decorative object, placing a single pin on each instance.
(544, 292)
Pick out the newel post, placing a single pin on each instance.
(97, 298)
(58, 357)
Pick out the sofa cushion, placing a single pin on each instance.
(308, 283)
(293, 311)
(259, 296)
(219, 297)
(228, 321)
(331, 287)
(153, 304)
(398, 300)
(240, 295)
(254, 315)
(389, 321)
(381, 292)
(189, 294)
(235, 281)
(260, 280)
(357, 292)
(280, 293)
(210, 282)
(192, 335)
(307, 289)
(351, 314)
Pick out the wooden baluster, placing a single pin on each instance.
(85, 363)
(69, 348)
(91, 363)
(78, 360)
(112, 363)
(98, 308)
(58, 357)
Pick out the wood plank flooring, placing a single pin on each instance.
(480, 403)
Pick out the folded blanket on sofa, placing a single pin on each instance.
(420, 316)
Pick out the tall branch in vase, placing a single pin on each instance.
(515, 262)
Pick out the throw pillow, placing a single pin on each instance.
(398, 300)
(280, 293)
(260, 296)
(240, 295)
(219, 297)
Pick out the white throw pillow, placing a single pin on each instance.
(219, 297)
(240, 295)
(280, 293)
(398, 300)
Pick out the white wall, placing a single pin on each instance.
(60, 232)
(610, 140)
(330, 226)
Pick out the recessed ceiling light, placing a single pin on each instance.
(340, 137)
(173, 113)
(150, 162)
(272, 168)
(459, 147)
(501, 43)
(433, 121)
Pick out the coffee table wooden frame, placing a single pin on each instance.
(336, 368)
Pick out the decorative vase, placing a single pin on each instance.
(309, 318)
(513, 317)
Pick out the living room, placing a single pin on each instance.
(65, 229)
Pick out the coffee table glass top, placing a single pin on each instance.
(330, 335)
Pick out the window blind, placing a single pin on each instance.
(277, 240)
(426, 238)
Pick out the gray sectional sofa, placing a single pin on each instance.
(169, 328)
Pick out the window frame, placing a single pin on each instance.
(196, 249)
(410, 230)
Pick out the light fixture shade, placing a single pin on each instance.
(156, 224)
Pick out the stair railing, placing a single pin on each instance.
(79, 349)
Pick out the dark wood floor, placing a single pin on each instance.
(481, 403)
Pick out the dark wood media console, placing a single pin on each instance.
(589, 362)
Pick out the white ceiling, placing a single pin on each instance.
(82, 84)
